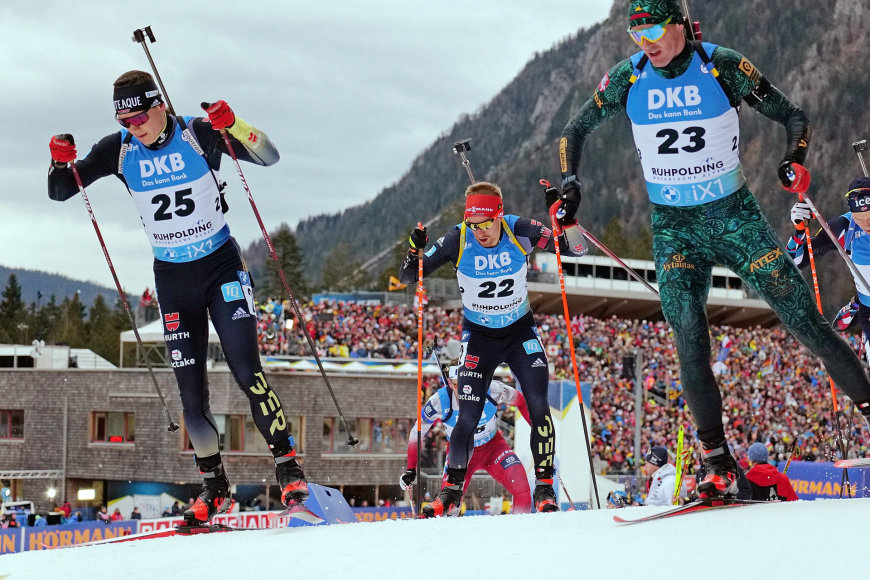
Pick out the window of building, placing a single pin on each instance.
(11, 424)
(375, 435)
(113, 427)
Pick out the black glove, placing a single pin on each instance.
(408, 478)
(552, 195)
(418, 237)
(570, 199)
(783, 172)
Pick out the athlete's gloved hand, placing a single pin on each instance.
(63, 149)
(418, 238)
(800, 213)
(220, 115)
(570, 198)
(783, 172)
(794, 176)
(408, 478)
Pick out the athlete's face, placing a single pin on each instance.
(489, 237)
(148, 131)
(663, 51)
(862, 219)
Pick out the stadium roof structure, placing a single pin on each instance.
(597, 286)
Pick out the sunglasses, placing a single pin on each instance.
(481, 226)
(135, 120)
(652, 34)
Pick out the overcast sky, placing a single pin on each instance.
(350, 92)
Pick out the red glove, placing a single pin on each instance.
(63, 148)
(220, 115)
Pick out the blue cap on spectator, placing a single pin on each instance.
(757, 453)
(657, 456)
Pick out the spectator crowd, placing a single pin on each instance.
(774, 391)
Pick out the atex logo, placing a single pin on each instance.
(161, 165)
(471, 361)
(172, 320)
(765, 260)
(673, 97)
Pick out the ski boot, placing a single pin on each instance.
(721, 479)
(449, 499)
(544, 496)
(215, 496)
(291, 480)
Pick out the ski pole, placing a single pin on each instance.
(600, 245)
(419, 364)
(459, 148)
(567, 495)
(556, 233)
(855, 271)
(173, 426)
(351, 440)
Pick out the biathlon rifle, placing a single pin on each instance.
(693, 27)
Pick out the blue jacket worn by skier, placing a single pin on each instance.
(852, 230)
(170, 168)
(489, 251)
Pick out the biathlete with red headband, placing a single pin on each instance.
(497, 326)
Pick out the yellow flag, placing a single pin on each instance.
(395, 284)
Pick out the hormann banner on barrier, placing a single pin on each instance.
(821, 480)
(379, 514)
(10, 541)
(50, 537)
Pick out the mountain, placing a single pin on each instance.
(35, 281)
(810, 50)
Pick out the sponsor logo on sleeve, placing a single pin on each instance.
(172, 321)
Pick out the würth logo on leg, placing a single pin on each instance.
(172, 320)
(471, 361)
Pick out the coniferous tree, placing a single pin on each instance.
(71, 330)
(103, 330)
(291, 261)
(12, 312)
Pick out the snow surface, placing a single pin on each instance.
(799, 540)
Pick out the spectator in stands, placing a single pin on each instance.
(662, 477)
(116, 515)
(136, 514)
(768, 484)
(103, 515)
(176, 508)
(66, 508)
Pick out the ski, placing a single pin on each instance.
(695, 506)
(859, 462)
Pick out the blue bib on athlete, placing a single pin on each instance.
(492, 281)
(177, 197)
(686, 133)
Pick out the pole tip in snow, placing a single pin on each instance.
(860, 146)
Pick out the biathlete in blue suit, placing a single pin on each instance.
(490, 251)
(170, 167)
